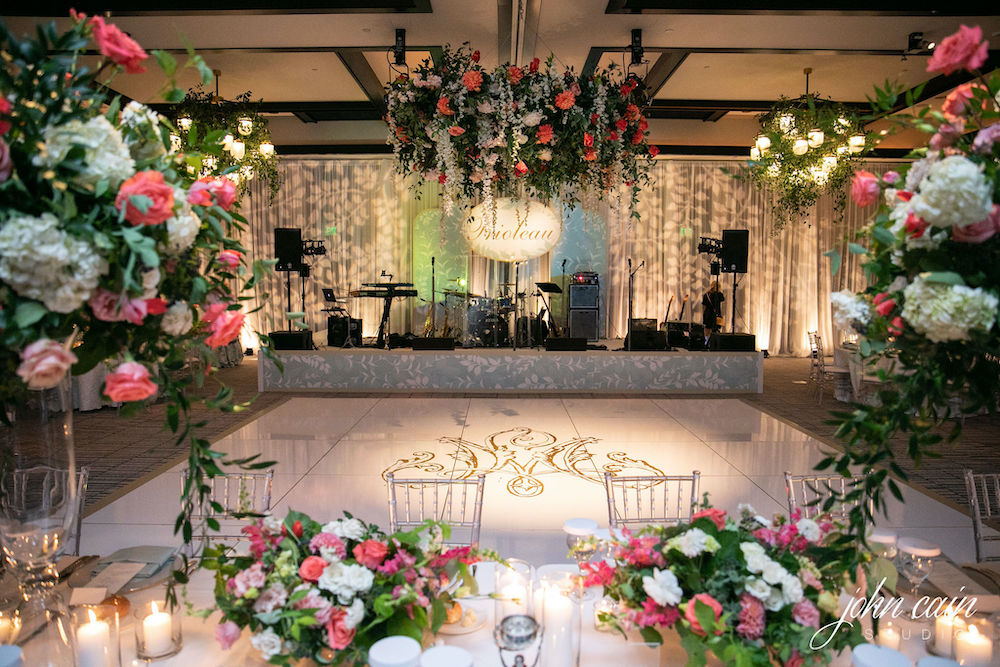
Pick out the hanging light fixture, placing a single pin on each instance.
(245, 125)
(266, 149)
(238, 150)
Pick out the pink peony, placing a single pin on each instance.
(714, 514)
(443, 107)
(226, 634)
(252, 577)
(985, 138)
(689, 613)
(312, 568)
(129, 382)
(229, 258)
(149, 184)
(864, 189)
(328, 541)
(565, 100)
(119, 47)
(751, 617)
(966, 49)
(44, 363)
(472, 80)
(980, 231)
(338, 636)
(322, 609)
(6, 164)
(371, 553)
(806, 614)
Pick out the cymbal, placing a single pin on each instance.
(464, 295)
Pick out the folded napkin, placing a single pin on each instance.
(152, 557)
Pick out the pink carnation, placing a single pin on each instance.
(226, 634)
(328, 541)
(966, 49)
(864, 189)
(805, 613)
(322, 607)
(252, 577)
(751, 617)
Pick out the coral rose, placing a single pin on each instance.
(456, 131)
(472, 80)
(714, 514)
(654, 150)
(565, 100)
(207, 190)
(312, 568)
(225, 324)
(229, 258)
(520, 168)
(883, 304)
(966, 49)
(958, 100)
(980, 231)
(338, 636)
(44, 363)
(544, 134)
(515, 74)
(443, 107)
(226, 634)
(149, 184)
(689, 612)
(864, 188)
(119, 47)
(371, 553)
(588, 139)
(129, 382)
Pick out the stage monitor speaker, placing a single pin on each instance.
(566, 344)
(583, 324)
(643, 324)
(735, 248)
(732, 342)
(584, 296)
(288, 248)
(336, 331)
(643, 339)
(433, 343)
(291, 340)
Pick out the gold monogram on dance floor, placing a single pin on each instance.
(529, 455)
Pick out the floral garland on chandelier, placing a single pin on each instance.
(519, 131)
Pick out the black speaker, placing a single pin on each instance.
(433, 343)
(565, 344)
(288, 248)
(583, 324)
(643, 324)
(732, 342)
(584, 296)
(336, 331)
(644, 339)
(735, 248)
(291, 340)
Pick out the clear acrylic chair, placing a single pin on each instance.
(457, 502)
(637, 501)
(808, 493)
(73, 538)
(232, 497)
(984, 503)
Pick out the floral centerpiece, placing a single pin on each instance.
(750, 590)
(518, 131)
(329, 591)
(110, 250)
(930, 254)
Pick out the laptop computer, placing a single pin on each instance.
(329, 295)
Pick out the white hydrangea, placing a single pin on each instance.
(954, 192)
(355, 613)
(178, 320)
(183, 226)
(947, 312)
(532, 119)
(662, 587)
(272, 524)
(351, 529)
(809, 529)
(136, 114)
(106, 157)
(345, 580)
(849, 308)
(757, 588)
(41, 261)
(267, 642)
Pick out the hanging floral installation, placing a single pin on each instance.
(523, 132)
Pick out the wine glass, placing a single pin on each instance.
(916, 560)
(582, 544)
(883, 544)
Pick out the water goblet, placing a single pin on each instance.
(916, 560)
(582, 544)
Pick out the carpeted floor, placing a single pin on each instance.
(123, 453)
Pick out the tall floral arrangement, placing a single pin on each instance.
(751, 590)
(518, 130)
(106, 238)
(930, 254)
(329, 591)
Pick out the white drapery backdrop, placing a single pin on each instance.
(366, 214)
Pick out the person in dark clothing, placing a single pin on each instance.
(711, 309)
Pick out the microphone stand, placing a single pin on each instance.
(631, 290)
(565, 300)
(434, 325)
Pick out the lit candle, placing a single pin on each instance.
(558, 622)
(944, 627)
(889, 637)
(156, 632)
(515, 600)
(93, 643)
(973, 649)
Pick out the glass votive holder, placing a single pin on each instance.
(10, 625)
(97, 629)
(513, 590)
(603, 610)
(946, 625)
(157, 630)
(560, 620)
(883, 543)
(973, 645)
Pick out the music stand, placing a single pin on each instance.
(543, 289)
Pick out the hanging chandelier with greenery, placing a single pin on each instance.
(807, 147)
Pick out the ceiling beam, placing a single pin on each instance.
(666, 64)
(757, 7)
(356, 63)
(55, 8)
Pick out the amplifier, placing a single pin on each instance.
(291, 340)
(643, 324)
(644, 339)
(565, 344)
(583, 324)
(733, 342)
(336, 331)
(433, 343)
(584, 296)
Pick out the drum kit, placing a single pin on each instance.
(477, 320)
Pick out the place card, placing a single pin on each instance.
(90, 595)
(115, 576)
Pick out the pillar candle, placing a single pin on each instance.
(558, 648)
(973, 649)
(944, 627)
(888, 637)
(93, 643)
(156, 632)
(515, 600)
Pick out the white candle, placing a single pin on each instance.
(973, 649)
(515, 600)
(944, 627)
(93, 643)
(888, 637)
(156, 632)
(557, 651)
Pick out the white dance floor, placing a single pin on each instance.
(331, 455)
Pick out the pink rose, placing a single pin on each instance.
(226, 634)
(207, 189)
(225, 324)
(229, 258)
(312, 568)
(151, 185)
(129, 382)
(714, 514)
(895, 327)
(44, 363)
(890, 177)
(795, 660)
(104, 304)
(119, 47)
(966, 49)
(883, 304)
(575, 89)
(979, 231)
(6, 164)
(689, 613)
(337, 634)
(915, 226)
(371, 553)
(5, 108)
(864, 189)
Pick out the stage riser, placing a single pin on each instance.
(506, 371)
